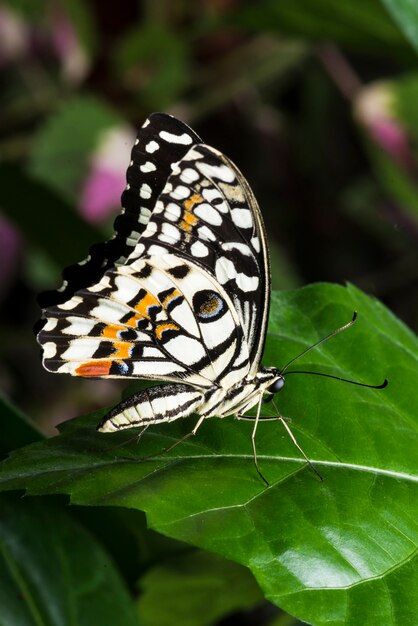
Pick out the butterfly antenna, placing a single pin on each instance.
(337, 331)
(293, 438)
(344, 380)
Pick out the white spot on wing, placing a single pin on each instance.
(225, 270)
(109, 311)
(105, 282)
(185, 349)
(145, 191)
(70, 304)
(181, 192)
(65, 282)
(208, 214)
(242, 218)
(144, 215)
(199, 249)
(78, 326)
(189, 175)
(183, 139)
(172, 212)
(150, 230)
(86, 260)
(183, 315)
(152, 146)
(157, 250)
(169, 233)
(50, 324)
(147, 167)
(241, 247)
(153, 369)
(217, 331)
(50, 350)
(212, 194)
(206, 234)
(139, 249)
(220, 172)
(126, 288)
(255, 242)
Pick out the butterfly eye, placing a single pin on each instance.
(277, 385)
(208, 305)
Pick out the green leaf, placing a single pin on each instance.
(404, 92)
(125, 536)
(84, 23)
(337, 552)
(65, 143)
(43, 217)
(405, 14)
(395, 168)
(195, 589)
(154, 64)
(16, 428)
(357, 25)
(53, 572)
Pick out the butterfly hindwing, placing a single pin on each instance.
(156, 318)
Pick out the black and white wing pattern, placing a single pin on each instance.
(180, 294)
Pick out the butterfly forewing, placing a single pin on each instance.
(161, 142)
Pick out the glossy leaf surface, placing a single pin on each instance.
(195, 589)
(53, 572)
(340, 551)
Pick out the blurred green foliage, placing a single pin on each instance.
(314, 100)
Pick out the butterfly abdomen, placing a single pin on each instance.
(163, 403)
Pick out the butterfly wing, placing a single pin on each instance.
(162, 141)
(191, 300)
(207, 213)
(159, 317)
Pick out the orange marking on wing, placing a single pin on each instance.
(171, 297)
(111, 331)
(188, 221)
(132, 321)
(190, 202)
(144, 303)
(162, 327)
(94, 368)
(122, 349)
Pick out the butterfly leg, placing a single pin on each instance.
(192, 432)
(257, 419)
(176, 443)
(293, 438)
(123, 444)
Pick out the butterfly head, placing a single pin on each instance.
(277, 385)
(271, 381)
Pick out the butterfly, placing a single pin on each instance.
(180, 294)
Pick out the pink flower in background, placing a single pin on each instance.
(67, 46)
(14, 36)
(20, 38)
(102, 189)
(374, 109)
(10, 246)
